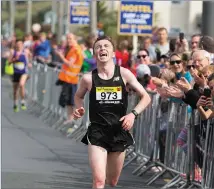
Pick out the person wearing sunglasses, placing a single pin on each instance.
(178, 67)
(143, 57)
(201, 58)
(191, 67)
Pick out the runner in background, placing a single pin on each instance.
(19, 57)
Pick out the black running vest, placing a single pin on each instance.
(108, 99)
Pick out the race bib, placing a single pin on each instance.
(108, 93)
(19, 65)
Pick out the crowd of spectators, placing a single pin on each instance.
(178, 69)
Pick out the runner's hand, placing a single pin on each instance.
(78, 113)
(128, 121)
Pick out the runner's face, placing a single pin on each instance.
(104, 51)
(19, 45)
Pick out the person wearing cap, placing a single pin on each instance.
(145, 74)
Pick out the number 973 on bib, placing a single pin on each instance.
(108, 93)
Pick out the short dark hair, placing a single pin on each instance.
(104, 37)
(19, 40)
(207, 44)
(142, 49)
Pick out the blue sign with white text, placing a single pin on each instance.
(79, 13)
(135, 18)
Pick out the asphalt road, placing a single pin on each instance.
(35, 156)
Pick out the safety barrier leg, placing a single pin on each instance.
(172, 182)
(48, 117)
(61, 126)
(131, 160)
(155, 177)
(79, 132)
(129, 150)
(80, 137)
(140, 166)
(53, 120)
(146, 169)
(75, 132)
(58, 123)
(44, 112)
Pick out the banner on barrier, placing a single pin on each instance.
(135, 18)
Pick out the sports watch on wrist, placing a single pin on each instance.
(135, 113)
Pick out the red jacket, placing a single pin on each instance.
(122, 58)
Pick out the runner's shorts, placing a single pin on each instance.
(16, 77)
(113, 139)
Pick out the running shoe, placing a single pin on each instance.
(16, 108)
(23, 107)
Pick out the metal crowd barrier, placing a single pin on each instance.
(158, 118)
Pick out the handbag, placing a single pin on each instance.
(9, 70)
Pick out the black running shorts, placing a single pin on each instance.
(16, 77)
(113, 139)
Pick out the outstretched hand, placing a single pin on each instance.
(128, 121)
(78, 113)
(184, 85)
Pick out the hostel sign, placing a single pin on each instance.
(79, 12)
(135, 18)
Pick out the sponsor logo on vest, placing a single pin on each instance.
(116, 78)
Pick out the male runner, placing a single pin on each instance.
(108, 134)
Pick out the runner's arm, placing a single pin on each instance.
(82, 90)
(133, 82)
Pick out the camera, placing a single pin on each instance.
(181, 37)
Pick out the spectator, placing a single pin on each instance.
(195, 42)
(181, 46)
(142, 58)
(207, 44)
(201, 58)
(144, 76)
(36, 42)
(207, 102)
(69, 75)
(55, 59)
(162, 45)
(42, 50)
(149, 47)
(89, 63)
(63, 44)
(122, 54)
(28, 41)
